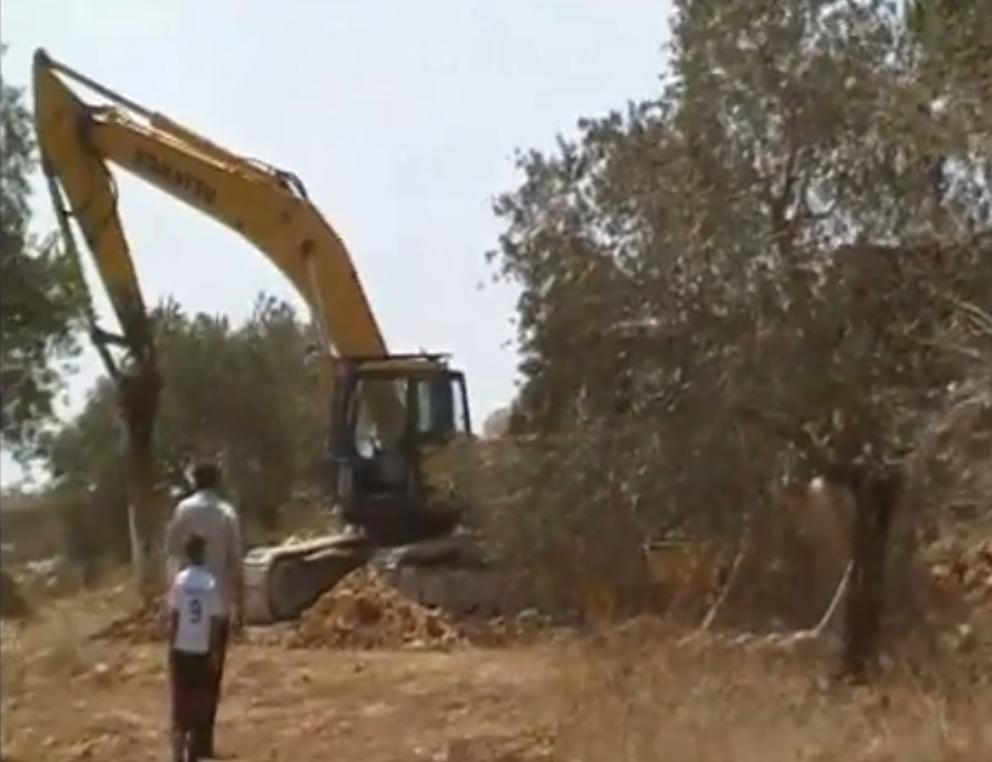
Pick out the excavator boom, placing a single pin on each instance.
(267, 206)
(392, 416)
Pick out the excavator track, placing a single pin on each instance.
(461, 590)
(283, 581)
(446, 572)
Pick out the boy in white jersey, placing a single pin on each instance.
(196, 618)
(207, 514)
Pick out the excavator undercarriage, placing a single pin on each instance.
(281, 582)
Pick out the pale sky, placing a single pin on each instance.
(400, 117)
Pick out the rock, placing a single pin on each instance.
(529, 619)
(965, 637)
(13, 604)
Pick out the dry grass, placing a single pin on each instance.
(634, 696)
(629, 693)
(56, 644)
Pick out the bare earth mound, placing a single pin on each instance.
(145, 625)
(364, 611)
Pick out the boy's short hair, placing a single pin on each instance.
(195, 549)
(206, 475)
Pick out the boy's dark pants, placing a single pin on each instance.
(191, 677)
(213, 689)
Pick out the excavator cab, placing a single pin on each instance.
(393, 419)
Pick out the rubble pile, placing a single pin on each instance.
(147, 624)
(364, 612)
(963, 572)
(527, 626)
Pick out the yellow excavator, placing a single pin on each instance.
(394, 419)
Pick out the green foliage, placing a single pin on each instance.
(244, 394)
(40, 292)
(754, 275)
(953, 33)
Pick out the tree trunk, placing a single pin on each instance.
(876, 493)
(139, 391)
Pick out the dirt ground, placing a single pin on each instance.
(628, 692)
(67, 697)
(287, 706)
(105, 701)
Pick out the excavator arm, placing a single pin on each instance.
(396, 492)
(267, 206)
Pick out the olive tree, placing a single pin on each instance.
(751, 276)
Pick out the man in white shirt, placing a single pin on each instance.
(195, 622)
(207, 514)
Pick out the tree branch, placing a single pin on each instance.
(108, 360)
(978, 315)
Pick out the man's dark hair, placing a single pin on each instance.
(206, 475)
(196, 549)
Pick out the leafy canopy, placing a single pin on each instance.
(41, 295)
